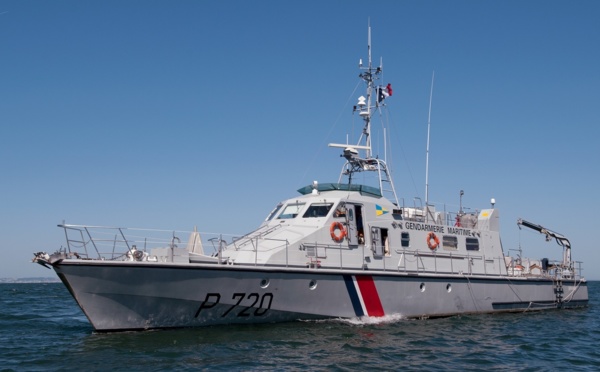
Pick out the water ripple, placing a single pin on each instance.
(42, 328)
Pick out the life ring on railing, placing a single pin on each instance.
(432, 241)
(338, 237)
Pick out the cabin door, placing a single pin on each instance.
(355, 225)
(379, 241)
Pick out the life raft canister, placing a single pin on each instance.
(432, 241)
(337, 237)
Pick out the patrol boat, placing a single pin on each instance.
(338, 250)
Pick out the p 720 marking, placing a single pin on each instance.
(250, 300)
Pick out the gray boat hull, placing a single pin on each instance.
(119, 296)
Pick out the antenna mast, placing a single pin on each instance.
(365, 107)
(369, 79)
(427, 153)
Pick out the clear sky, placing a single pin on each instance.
(174, 114)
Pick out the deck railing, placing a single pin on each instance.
(111, 243)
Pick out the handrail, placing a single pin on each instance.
(111, 243)
(239, 242)
(108, 242)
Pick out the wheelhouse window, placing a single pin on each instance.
(291, 211)
(405, 239)
(318, 210)
(449, 242)
(472, 244)
(274, 212)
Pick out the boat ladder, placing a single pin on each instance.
(558, 292)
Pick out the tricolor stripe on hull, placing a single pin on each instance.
(363, 294)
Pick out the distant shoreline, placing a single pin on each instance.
(30, 280)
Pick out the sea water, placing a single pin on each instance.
(42, 328)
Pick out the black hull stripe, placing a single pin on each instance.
(533, 305)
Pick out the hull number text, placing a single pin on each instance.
(250, 304)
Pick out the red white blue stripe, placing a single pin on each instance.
(363, 295)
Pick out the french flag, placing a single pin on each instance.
(384, 93)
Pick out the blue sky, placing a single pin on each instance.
(174, 114)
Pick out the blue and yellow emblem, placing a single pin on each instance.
(379, 210)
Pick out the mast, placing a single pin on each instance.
(368, 78)
(365, 107)
(427, 151)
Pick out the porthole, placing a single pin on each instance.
(422, 287)
(448, 287)
(264, 283)
(312, 285)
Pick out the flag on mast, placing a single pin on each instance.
(384, 92)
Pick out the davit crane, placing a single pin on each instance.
(560, 239)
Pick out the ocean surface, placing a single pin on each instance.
(42, 328)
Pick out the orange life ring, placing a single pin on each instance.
(432, 244)
(342, 232)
